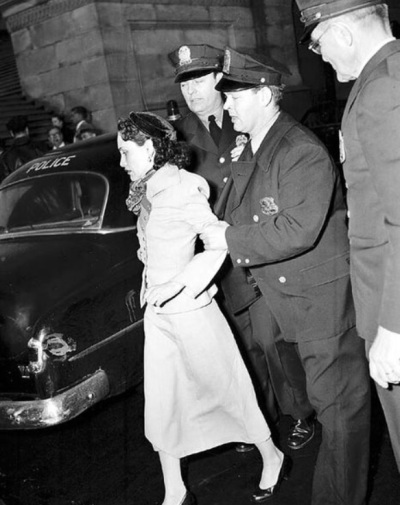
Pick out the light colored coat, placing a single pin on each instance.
(179, 212)
(198, 391)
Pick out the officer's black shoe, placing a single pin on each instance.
(244, 447)
(301, 432)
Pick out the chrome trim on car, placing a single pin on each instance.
(98, 345)
(47, 412)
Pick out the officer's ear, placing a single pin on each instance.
(266, 95)
(342, 33)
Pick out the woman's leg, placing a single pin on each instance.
(272, 459)
(175, 488)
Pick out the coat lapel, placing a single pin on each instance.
(242, 172)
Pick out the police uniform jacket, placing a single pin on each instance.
(289, 230)
(371, 152)
(209, 161)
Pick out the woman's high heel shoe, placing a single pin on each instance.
(188, 499)
(261, 495)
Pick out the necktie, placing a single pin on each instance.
(215, 130)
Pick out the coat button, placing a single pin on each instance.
(222, 159)
(238, 261)
(247, 260)
(256, 218)
(282, 280)
(224, 180)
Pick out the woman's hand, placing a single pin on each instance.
(158, 295)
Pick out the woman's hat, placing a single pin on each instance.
(153, 125)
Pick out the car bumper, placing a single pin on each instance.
(56, 410)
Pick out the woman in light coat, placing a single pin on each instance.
(198, 394)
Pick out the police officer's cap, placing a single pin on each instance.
(316, 11)
(191, 61)
(242, 71)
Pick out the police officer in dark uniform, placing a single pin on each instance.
(207, 128)
(215, 143)
(355, 37)
(286, 224)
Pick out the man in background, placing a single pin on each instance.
(80, 118)
(22, 148)
(355, 37)
(56, 138)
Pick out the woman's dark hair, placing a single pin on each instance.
(140, 126)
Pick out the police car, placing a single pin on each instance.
(71, 326)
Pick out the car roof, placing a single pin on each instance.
(99, 155)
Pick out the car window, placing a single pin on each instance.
(73, 200)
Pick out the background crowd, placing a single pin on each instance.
(73, 126)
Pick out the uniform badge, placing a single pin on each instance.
(268, 206)
(184, 56)
(227, 62)
(342, 152)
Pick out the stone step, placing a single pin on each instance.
(12, 100)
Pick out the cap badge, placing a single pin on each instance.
(184, 56)
(227, 62)
(311, 17)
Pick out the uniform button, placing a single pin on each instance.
(282, 280)
(256, 218)
(348, 214)
(238, 260)
(222, 159)
(247, 260)
(225, 179)
(347, 186)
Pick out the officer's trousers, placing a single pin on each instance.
(260, 336)
(338, 388)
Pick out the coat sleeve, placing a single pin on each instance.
(306, 182)
(200, 271)
(378, 126)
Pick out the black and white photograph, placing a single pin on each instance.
(199, 252)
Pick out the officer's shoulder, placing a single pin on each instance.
(298, 134)
(185, 120)
(391, 67)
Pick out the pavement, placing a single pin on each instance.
(103, 458)
(225, 477)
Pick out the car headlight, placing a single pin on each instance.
(45, 345)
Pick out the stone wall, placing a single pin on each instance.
(111, 55)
